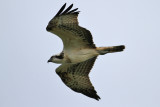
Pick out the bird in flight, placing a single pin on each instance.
(79, 52)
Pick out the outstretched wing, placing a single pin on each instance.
(75, 76)
(65, 25)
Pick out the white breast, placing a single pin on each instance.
(77, 56)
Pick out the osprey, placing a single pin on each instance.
(79, 52)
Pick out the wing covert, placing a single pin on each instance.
(65, 25)
(75, 76)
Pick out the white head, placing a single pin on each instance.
(56, 59)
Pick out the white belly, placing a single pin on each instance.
(80, 55)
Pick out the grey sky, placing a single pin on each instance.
(127, 79)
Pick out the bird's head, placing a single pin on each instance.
(56, 59)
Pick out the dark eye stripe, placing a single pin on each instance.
(59, 57)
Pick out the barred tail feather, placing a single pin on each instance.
(105, 50)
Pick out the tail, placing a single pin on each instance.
(105, 50)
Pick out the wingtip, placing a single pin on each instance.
(97, 97)
(64, 4)
(71, 4)
(61, 9)
(67, 9)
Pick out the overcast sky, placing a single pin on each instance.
(127, 79)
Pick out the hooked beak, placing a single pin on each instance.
(50, 60)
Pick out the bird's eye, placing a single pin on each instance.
(52, 57)
(59, 57)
